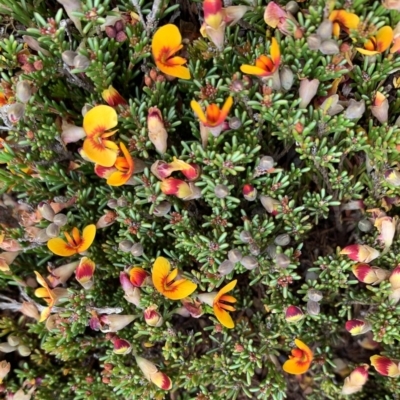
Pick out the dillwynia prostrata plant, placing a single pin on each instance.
(199, 199)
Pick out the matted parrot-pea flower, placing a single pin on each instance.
(5, 368)
(157, 132)
(343, 20)
(60, 275)
(85, 272)
(277, 17)
(385, 366)
(50, 296)
(217, 18)
(152, 374)
(379, 43)
(132, 293)
(115, 322)
(164, 281)
(370, 275)
(180, 189)
(394, 280)
(360, 252)
(97, 123)
(138, 276)
(153, 317)
(221, 305)
(293, 314)
(214, 116)
(124, 168)
(6, 259)
(356, 380)
(75, 242)
(380, 108)
(121, 346)
(166, 42)
(112, 97)
(300, 360)
(387, 228)
(163, 170)
(357, 326)
(265, 65)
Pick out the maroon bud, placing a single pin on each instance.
(121, 37)
(119, 26)
(111, 32)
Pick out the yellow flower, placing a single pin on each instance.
(112, 97)
(97, 124)
(300, 360)
(166, 42)
(163, 280)
(265, 66)
(343, 19)
(221, 307)
(214, 116)
(75, 244)
(378, 43)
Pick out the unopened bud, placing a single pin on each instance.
(249, 192)
(226, 267)
(60, 220)
(392, 176)
(286, 77)
(15, 112)
(324, 31)
(329, 47)
(235, 123)
(24, 351)
(364, 225)
(7, 348)
(221, 191)
(254, 249)
(41, 236)
(137, 250)
(282, 240)
(270, 204)
(282, 260)
(314, 295)
(111, 32)
(162, 209)
(292, 7)
(314, 41)
(121, 202)
(235, 255)
(112, 203)
(249, 262)
(153, 317)
(266, 163)
(23, 91)
(245, 236)
(125, 246)
(313, 307)
(13, 340)
(308, 89)
(46, 211)
(81, 62)
(121, 37)
(68, 57)
(53, 230)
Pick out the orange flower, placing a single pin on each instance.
(112, 97)
(343, 19)
(163, 280)
(75, 244)
(50, 296)
(96, 124)
(124, 168)
(163, 170)
(265, 66)
(138, 276)
(176, 187)
(166, 42)
(85, 272)
(378, 43)
(214, 115)
(300, 360)
(221, 307)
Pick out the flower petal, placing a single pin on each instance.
(88, 235)
(137, 276)
(180, 289)
(223, 316)
(60, 247)
(104, 172)
(253, 70)
(295, 367)
(85, 270)
(302, 346)
(161, 270)
(118, 178)
(161, 380)
(196, 107)
(225, 110)
(99, 119)
(275, 52)
(98, 151)
(366, 52)
(168, 36)
(227, 288)
(385, 366)
(384, 38)
(45, 314)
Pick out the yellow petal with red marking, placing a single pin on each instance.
(161, 380)
(112, 97)
(88, 235)
(275, 52)
(60, 247)
(137, 276)
(385, 366)
(384, 38)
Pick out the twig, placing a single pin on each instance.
(139, 11)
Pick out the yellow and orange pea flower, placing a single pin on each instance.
(152, 374)
(221, 305)
(50, 296)
(97, 123)
(379, 43)
(112, 97)
(166, 42)
(343, 20)
(265, 66)
(300, 360)
(75, 242)
(385, 366)
(120, 172)
(214, 116)
(163, 280)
